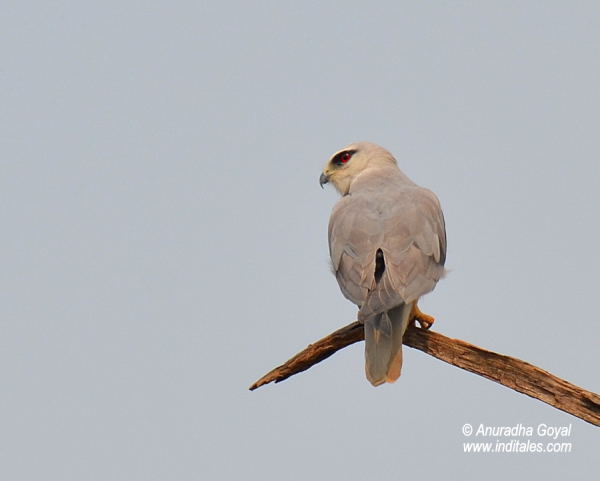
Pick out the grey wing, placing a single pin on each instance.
(355, 234)
(414, 247)
(409, 229)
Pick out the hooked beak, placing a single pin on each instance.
(324, 179)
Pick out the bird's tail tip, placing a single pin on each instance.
(383, 345)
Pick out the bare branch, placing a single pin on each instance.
(509, 371)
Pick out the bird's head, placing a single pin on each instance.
(348, 163)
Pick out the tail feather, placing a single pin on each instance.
(383, 344)
(378, 345)
(400, 317)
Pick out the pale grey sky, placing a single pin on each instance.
(165, 237)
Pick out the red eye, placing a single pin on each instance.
(343, 157)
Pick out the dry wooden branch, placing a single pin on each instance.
(509, 371)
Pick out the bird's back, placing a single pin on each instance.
(386, 218)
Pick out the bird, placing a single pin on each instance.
(387, 243)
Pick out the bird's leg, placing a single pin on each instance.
(424, 320)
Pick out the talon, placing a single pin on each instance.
(424, 320)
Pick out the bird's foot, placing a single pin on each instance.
(424, 320)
